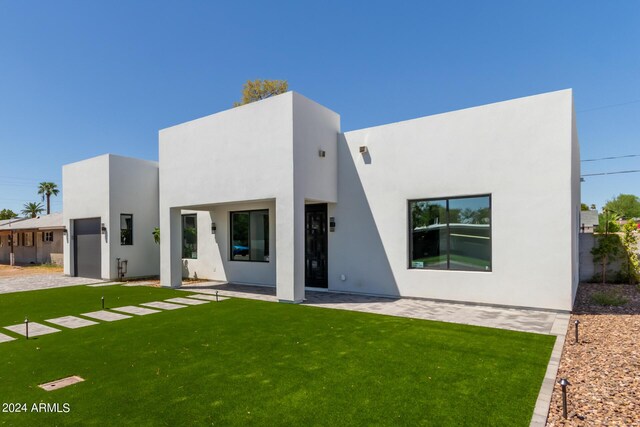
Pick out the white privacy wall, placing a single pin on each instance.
(523, 152)
(104, 187)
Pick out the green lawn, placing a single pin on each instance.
(243, 362)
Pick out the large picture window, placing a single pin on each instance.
(190, 236)
(250, 236)
(126, 229)
(450, 233)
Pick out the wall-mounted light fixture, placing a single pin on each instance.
(64, 231)
(213, 228)
(322, 153)
(332, 224)
(364, 149)
(103, 228)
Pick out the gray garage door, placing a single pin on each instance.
(87, 239)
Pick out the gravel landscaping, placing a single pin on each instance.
(604, 367)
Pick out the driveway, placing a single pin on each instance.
(41, 281)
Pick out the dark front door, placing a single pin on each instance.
(86, 248)
(316, 245)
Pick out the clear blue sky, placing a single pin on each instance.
(83, 78)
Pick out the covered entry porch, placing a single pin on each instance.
(265, 242)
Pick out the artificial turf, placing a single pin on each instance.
(244, 362)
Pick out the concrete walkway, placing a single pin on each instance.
(41, 281)
(515, 319)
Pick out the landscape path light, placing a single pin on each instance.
(564, 383)
(577, 322)
(26, 327)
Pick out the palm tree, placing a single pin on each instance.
(47, 189)
(32, 209)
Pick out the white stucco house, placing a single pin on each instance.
(110, 208)
(479, 205)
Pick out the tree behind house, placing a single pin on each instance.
(627, 205)
(7, 214)
(47, 189)
(260, 89)
(32, 209)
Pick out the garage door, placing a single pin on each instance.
(87, 240)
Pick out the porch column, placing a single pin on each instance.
(170, 248)
(290, 250)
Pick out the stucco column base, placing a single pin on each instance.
(285, 301)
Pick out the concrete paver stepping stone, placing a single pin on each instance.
(71, 322)
(163, 305)
(187, 301)
(208, 297)
(132, 309)
(5, 338)
(35, 329)
(105, 315)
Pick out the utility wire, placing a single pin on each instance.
(611, 158)
(609, 106)
(611, 173)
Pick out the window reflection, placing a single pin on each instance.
(452, 234)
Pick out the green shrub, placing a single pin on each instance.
(609, 298)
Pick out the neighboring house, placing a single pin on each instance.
(441, 207)
(588, 221)
(110, 209)
(36, 240)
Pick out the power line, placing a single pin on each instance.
(611, 158)
(609, 106)
(611, 173)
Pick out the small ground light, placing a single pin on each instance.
(577, 322)
(564, 383)
(26, 327)
(102, 302)
(216, 296)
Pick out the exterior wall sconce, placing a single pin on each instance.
(322, 153)
(103, 228)
(364, 149)
(332, 224)
(213, 228)
(64, 231)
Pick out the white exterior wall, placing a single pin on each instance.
(133, 189)
(104, 187)
(264, 155)
(238, 155)
(86, 195)
(576, 198)
(249, 154)
(518, 151)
